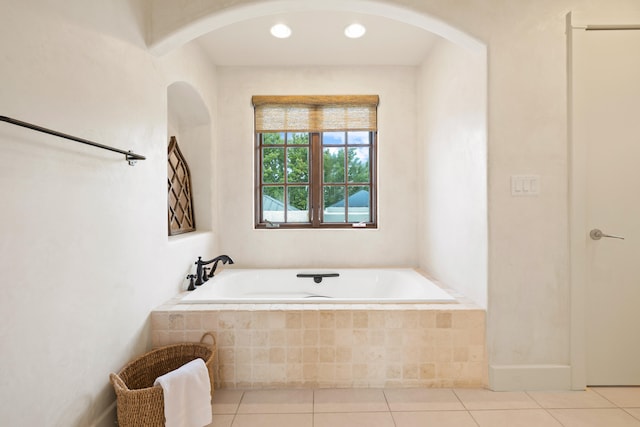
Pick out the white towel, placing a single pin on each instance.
(187, 395)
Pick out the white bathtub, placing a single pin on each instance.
(351, 286)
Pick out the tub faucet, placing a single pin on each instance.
(224, 258)
(201, 273)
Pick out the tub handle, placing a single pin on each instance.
(317, 277)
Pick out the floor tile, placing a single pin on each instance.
(515, 418)
(226, 401)
(434, 418)
(350, 400)
(276, 402)
(273, 420)
(223, 420)
(353, 419)
(626, 397)
(570, 399)
(422, 399)
(595, 407)
(635, 412)
(487, 399)
(594, 418)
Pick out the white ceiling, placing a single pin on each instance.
(317, 39)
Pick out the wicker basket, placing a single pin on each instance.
(139, 402)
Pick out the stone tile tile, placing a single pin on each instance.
(349, 400)
(625, 397)
(570, 399)
(273, 420)
(434, 418)
(594, 417)
(487, 399)
(226, 401)
(422, 399)
(353, 419)
(221, 420)
(276, 402)
(635, 412)
(516, 417)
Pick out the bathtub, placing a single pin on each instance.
(363, 328)
(317, 286)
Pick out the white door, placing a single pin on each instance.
(606, 114)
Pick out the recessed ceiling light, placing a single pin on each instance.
(280, 31)
(355, 31)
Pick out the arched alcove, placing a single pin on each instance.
(450, 145)
(190, 122)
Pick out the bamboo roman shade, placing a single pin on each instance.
(315, 113)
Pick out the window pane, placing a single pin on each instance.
(273, 204)
(333, 138)
(298, 138)
(272, 138)
(359, 207)
(298, 206)
(298, 164)
(345, 168)
(358, 138)
(334, 209)
(333, 164)
(272, 165)
(359, 165)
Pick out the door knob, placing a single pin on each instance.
(596, 234)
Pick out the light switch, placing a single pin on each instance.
(525, 185)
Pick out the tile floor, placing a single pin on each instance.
(595, 407)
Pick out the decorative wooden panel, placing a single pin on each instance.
(180, 200)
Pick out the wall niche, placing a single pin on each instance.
(189, 122)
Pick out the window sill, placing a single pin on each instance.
(262, 227)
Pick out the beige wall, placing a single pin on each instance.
(393, 243)
(452, 142)
(84, 253)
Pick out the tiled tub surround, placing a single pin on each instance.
(331, 345)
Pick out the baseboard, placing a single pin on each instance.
(108, 418)
(529, 377)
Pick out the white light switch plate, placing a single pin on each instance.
(525, 185)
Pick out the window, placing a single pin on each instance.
(315, 161)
